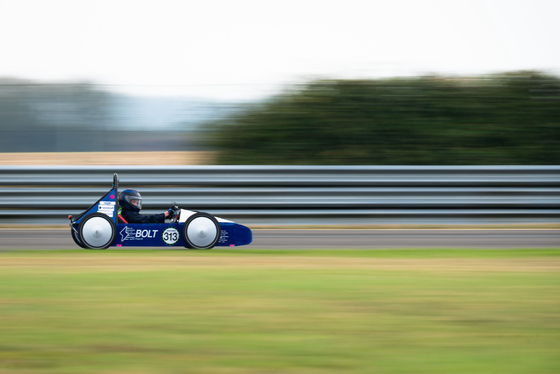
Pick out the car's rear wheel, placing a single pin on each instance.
(97, 231)
(201, 231)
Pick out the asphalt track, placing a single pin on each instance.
(11, 239)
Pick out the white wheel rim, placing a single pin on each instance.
(202, 232)
(97, 232)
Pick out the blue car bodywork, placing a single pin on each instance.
(100, 227)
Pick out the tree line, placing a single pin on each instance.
(501, 119)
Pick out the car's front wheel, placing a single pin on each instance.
(201, 231)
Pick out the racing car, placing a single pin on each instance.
(100, 227)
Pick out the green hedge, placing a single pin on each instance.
(510, 118)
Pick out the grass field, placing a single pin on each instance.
(251, 311)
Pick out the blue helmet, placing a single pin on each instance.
(126, 198)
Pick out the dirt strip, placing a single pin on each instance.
(107, 158)
(134, 263)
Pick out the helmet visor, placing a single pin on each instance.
(135, 200)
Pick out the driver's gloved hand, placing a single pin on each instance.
(171, 213)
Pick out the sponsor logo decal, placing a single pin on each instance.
(170, 236)
(129, 233)
(224, 237)
(106, 207)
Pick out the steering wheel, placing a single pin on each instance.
(177, 211)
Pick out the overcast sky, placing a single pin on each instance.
(244, 49)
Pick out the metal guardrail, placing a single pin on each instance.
(294, 194)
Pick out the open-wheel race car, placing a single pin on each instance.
(101, 227)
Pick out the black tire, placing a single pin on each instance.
(97, 231)
(201, 231)
(76, 239)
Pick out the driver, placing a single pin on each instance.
(130, 204)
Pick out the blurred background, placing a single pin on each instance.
(511, 118)
(290, 84)
(310, 82)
